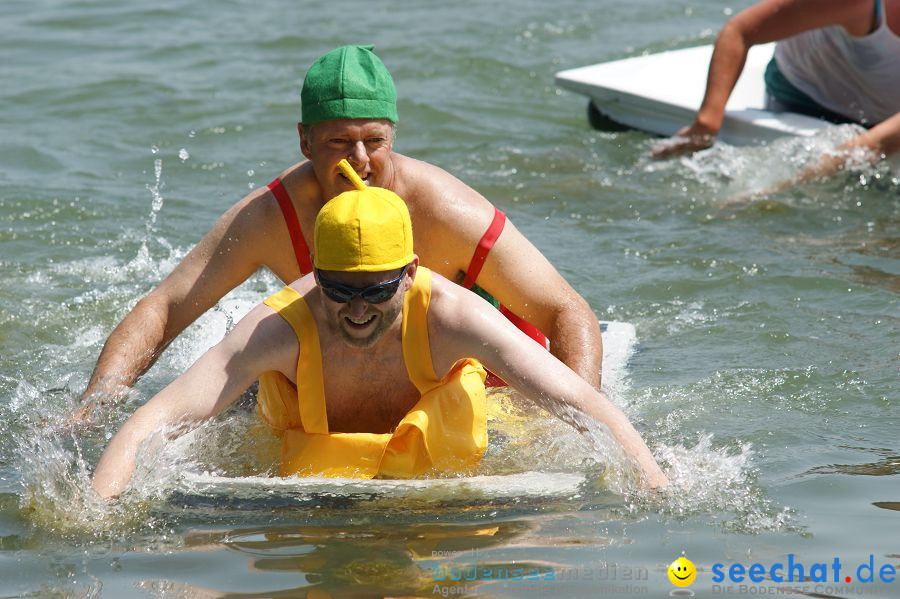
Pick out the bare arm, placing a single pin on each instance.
(229, 253)
(881, 141)
(460, 325)
(878, 142)
(766, 21)
(260, 341)
(884, 138)
(449, 218)
(524, 281)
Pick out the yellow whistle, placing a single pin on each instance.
(351, 174)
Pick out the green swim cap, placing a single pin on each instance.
(349, 82)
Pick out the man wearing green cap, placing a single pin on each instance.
(348, 112)
(370, 366)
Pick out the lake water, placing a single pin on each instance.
(764, 376)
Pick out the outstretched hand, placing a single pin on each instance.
(85, 413)
(82, 414)
(654, 479)
(844, 156)
(689, 139)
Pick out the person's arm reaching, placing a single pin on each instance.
(879, 142)
(515, 272)
(260, 341)
(460, 326)
(766, 21)
(524, 281)
(226, 256)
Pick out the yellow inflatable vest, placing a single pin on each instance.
(446, 431)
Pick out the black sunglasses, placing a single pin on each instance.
(374, 294)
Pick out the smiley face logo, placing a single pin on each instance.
(682, 572)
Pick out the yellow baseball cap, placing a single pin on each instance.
(364, 230)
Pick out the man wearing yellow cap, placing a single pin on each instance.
(371, 366)
(348, 112)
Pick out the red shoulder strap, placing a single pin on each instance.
(301, 250)
(484, 246)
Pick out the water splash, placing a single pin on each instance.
(739, 169)
(54, 465)
(156, 205)
(54, 474)
(734, 175)
(524, 437)
(719, 482)
(42, 460)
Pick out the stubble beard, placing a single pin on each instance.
(385, 320)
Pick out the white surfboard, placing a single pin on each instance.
(523, 485)
(661, 93)
(618, 345)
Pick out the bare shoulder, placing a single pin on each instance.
(263, 340)
(260, 327)
(435, 191)
(454, 309)
(258, 211)
(449, 316)
(304, 286)
(448, 216)
(257, 207)
(446, 296)
(300, 181)
(234, 247)
(264, 324)
(259, 219)
(462, 325)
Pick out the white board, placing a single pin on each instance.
(660, 93)
(530, 485)
(618, 345)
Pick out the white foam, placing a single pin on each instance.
(525, 484)
(734, 172)
(618, 346)
(719, 480)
